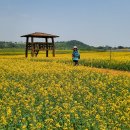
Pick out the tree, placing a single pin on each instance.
(120, 47)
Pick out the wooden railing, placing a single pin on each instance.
(40, 46)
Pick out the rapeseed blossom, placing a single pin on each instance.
(38, 93)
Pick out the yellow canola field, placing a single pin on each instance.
(43, 94)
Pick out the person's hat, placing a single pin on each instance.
(75, 47)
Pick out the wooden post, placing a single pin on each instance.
(110, 54)
(53, 48)
(46, 47)
(26, 50)
(32, 47)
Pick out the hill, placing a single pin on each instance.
(61, 45)
(67, 45)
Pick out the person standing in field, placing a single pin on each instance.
(75, 55)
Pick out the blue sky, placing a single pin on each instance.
(94, 22)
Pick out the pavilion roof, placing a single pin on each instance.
(40, 35)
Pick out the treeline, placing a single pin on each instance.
(64, 45)
(4, 44)
(67, 45)
(114, 48)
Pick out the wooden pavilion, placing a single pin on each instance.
(35, 47)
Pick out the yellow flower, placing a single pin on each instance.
(52, 93)
(97, 117)
(39, 125)
(3, 120)
(76, 115)
(49, 121)
(9, 111)
(58, 125)
(24, 126)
